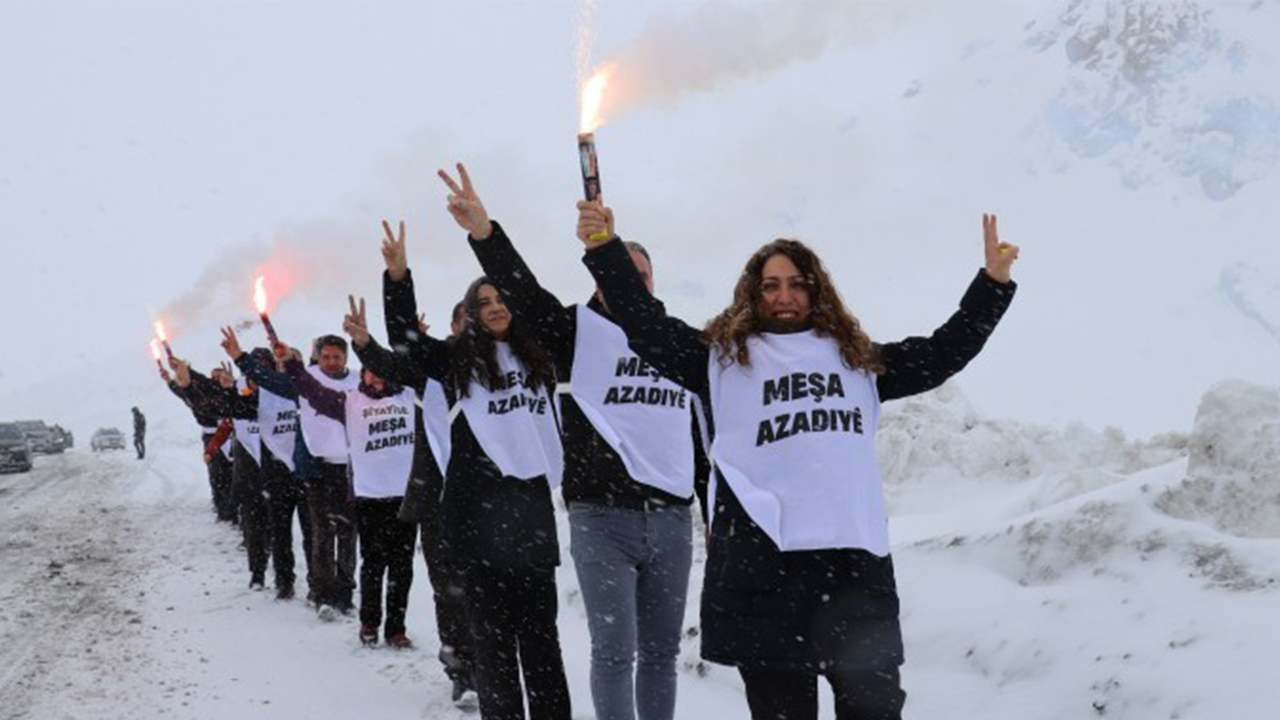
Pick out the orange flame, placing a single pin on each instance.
(155, 348)
(593, 97)
(160, 333)
(260, 295)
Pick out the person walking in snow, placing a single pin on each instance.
(799, 581)
(379, 421)
(632, 456)
(498, 522)
(139, 433)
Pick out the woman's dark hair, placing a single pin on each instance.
(475, 354)
(728, 332)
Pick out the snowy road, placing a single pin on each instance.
(120, 597)
(70, 625)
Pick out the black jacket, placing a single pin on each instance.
(207, 396)
(593, 472)
(208, 423)
(812, 610)
(485, 518)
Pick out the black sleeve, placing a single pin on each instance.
(552, 323)
(209, 397)
(325, 401)
(414, 356)
(402, 370)
(919, 364)
(669, 344)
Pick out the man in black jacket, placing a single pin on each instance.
(139, 432)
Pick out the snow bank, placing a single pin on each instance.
(1233, 473)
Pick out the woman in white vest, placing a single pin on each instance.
(631, 465)
(497, 519)
(379, 421)
(799, 581)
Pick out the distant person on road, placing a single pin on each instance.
(139, 433)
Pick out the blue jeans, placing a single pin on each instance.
(633, 569)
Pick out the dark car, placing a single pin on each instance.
(15, 450)
(39, 435)
(107, 439)
(66, 439)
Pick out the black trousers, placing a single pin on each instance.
(513, 620)
(140, 444)
(786, 695)
(386, 550)
(333, 537)
(448, 589)
(255, 518)
(225, 504)
(285, 498)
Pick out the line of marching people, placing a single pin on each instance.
(767, 416)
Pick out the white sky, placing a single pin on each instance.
(146, 145)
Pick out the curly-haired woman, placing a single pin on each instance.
(799, 580)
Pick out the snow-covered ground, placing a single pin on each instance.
(1044, 573)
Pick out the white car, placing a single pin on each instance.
(107, 439)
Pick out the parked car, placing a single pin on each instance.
(68, 440)
(39, 435)
(15, 450)
(107, 439)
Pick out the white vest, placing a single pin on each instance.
(226, 447)
(247, 431)
(279, 420)
(643, 416)
(380, 435)
(514, 425)
(435, 421)
(325, 437)
(795, 440)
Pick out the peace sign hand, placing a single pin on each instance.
(227, 379)
(1000, 256)
(230, 343)
(393, 252)
(465, 205)
(354, 323)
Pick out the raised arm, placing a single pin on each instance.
(326, 401)
(268, 378)
(431, 360)
(550, 320)
(671, 345)
(919, 364)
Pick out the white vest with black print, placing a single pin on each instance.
(279, 420)
(795, 440)
(380, 436)
(325, 437)
(515, 425)
(248, 433)
(643, 416)
(435, 420)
